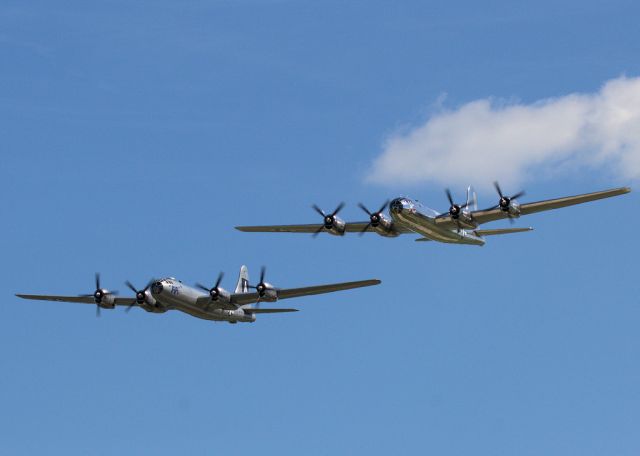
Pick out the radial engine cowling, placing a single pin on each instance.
(216, 292)
(334, 225)
(378, 221)
(331, 223)
(384, 226)
(267, 292)
(219, 294)
(146, 301)
(510, 206)
(104, 299)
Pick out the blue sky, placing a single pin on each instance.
(135, 136)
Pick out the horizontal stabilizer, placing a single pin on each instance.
(268, 311)
(482, 233)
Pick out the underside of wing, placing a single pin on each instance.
(358, 227)
(286, 293)
(530, 208)
(350, 227)
(206, 301)
(490, 215)
(319, 289)
(119, 301)
(309, 228)
(241, 299)
(268, 311)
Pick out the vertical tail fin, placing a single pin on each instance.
(243, 280)
(472, 198)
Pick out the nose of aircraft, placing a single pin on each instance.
(156, 288)
(398, 204)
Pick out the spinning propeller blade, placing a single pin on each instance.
(328, 219)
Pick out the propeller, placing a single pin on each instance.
(505, 201)
(455, 209)
(374, 217)
(99, 294)
(261, 288)
(329, 219)
(214, 291)
(141, 295)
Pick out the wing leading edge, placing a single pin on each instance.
(119, 301)
(286, 293)
(350, 227)
(309, 228)
(490, 215)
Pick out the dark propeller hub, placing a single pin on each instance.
(454, 208)
(98, 295)
(141, 294)
(214, 291)
(328, 219)
(504, 203)
(375, 218)
(261, 288)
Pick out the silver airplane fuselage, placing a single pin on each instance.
(170, 293)
(422, 220)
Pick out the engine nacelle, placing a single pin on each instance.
(267, 292)
(219, 294)
(513, 209)
(383, 226)
(149, 300)
(104, 299)
(334, 225)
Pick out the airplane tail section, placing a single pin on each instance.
(472, 199)
(243, 280)
(483, 233)
(498, 231)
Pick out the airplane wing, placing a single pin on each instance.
(268, 311)
(490, 215)
(285, 293)
(350, 227)
(205, 300)
(119, 301)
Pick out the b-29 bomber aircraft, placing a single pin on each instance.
(209, 303)
(459, 225)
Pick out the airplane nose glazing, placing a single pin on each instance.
(396, 206)
(156, 288)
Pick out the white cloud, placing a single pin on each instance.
(485, 140)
